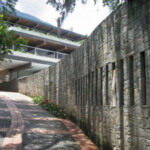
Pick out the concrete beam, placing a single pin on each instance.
(21, 67)
(28, 59)
(65, 35)
(41, 44)
(51, 30)
(63, 49)
(35, 26)
(18, 21)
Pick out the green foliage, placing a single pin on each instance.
(81, 42)
(67, 6)
(112, 4)
(38, 99)
(7, 6)
(27, 29)
(20, 41)
(53, 108)
(8, 39)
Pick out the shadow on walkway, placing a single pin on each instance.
(25, 125)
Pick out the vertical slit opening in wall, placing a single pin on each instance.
(121, 86)
(101, 86)
(92, 89)
(77, 93)
(81, 90)
(76, 90)
(131, 80)
(79, 99)
(107, 102)
(83, 86)
(96, 100)
(143, 79)
(86, 89)
(89, 88)
(113, 84)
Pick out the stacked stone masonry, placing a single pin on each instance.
(105, 84)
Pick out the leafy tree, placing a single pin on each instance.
(64, 6)
(7, 38)
(7, 6)
(67, 6)
(113, 4)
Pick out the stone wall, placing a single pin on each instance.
(105, 84)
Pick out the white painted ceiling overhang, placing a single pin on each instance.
(9, 64)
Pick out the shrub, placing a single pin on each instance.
(50, 106)
(38, 99)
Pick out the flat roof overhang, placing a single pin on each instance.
(31, 63)
(46, 28)
(31, 58)
(19, 65)
(45, 41)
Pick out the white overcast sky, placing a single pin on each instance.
(83, 20)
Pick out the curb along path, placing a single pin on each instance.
(26, 126)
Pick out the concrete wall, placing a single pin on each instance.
(16, 75)
(3, 74)
(11, 86)
(105, 84)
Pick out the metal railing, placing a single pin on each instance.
(41, 52)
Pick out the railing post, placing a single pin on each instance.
(13, 47)
(35, 51)
(55, 55)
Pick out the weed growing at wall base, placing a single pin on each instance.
(50, 106)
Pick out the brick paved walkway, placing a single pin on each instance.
(26, 126)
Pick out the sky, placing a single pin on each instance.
(83, 20)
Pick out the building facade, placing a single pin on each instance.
(45, 46)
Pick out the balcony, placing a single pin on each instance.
(41, 52)
(30, 59)
(23, 30)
